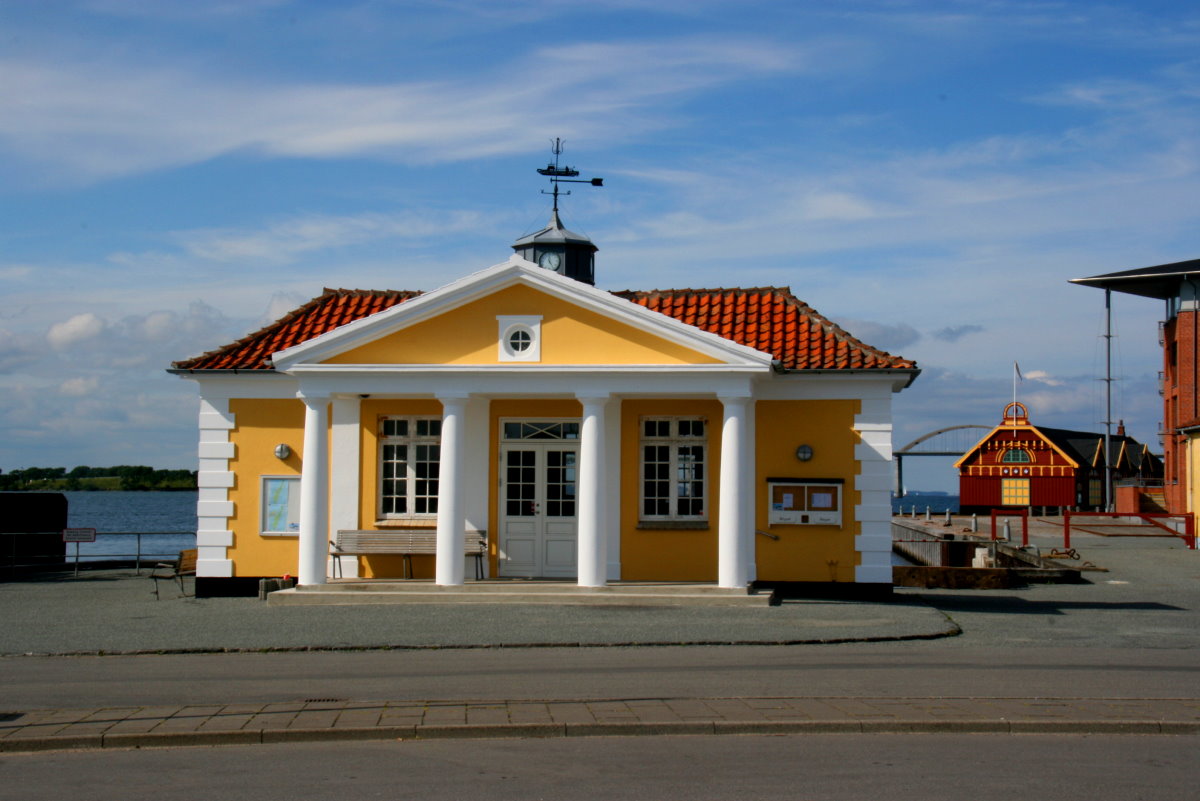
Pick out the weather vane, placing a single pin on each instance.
(564, 174)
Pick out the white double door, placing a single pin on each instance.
(538, 508)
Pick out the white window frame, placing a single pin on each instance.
(292, 528)
(674, 441)
(509, 324)
(411, 440)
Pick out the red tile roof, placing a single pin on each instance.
(331, 309)
(768, 319)
(772, 320)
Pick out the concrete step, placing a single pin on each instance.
(413, 592)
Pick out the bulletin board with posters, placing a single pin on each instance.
(804, 501)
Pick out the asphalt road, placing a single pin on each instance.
(926, 669)
(1133, 631)
(928, 767)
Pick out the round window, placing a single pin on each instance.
(520, 340)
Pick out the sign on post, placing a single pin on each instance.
(78, 535)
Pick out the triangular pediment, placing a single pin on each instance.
(461, 325)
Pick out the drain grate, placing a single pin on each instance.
(324, 700)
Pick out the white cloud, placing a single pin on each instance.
(954, 333)
(18, 350)
(14, 272)
(1042, 377)
(284, 241)
(280, 304)
(79, 387)
(101, 118)
(80, 328)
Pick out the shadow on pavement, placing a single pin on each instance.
(1009, 604)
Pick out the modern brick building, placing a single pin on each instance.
(1177, 285)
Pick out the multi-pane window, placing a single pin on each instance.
(1016, 455)
(673, 468)
(409, 454)
(560, 483)
(1014, 492)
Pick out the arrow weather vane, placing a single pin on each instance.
(563, 174)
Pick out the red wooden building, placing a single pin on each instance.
(1020, 465)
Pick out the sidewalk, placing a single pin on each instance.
(330, 719)
(1145, 599)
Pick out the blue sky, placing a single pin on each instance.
(929, 174)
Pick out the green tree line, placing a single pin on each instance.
(121, 477)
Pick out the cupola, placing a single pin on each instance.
(560, 250)
(556, 248)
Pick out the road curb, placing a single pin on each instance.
(952, 630)
(555, 730)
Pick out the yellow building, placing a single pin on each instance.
(728, 436)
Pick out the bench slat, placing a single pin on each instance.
(411, 541)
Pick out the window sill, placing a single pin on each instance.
(673, 525)
(279, 533)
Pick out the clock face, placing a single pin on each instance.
(550, 261)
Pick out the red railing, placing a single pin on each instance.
(1189, 524)
(1023, 514)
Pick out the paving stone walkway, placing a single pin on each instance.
(333, 719)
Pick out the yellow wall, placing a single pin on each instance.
(570, 335)
(260, 426)
(804, 553)
(667, 554)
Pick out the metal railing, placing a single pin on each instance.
(74, 555)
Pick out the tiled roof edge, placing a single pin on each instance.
(299, 311)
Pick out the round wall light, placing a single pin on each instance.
(282, 451)
(804, 453)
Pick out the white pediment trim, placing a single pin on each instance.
(514, 272)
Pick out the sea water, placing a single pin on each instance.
(937, 504)
(166, 521)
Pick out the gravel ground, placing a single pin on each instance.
(116, 612)
(1147, 598)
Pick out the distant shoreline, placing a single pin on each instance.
(128, 478)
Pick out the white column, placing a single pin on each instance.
(612, 503)
(476, 473)
(735, 526)
(451, 519)
(345, 473)
(314, 492)
(591, 490)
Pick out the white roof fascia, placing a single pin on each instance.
(520, 368)
(511, 273)
(246, 384)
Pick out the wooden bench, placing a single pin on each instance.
(185, 565)
(406, 542)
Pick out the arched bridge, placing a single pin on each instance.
(948, 441)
